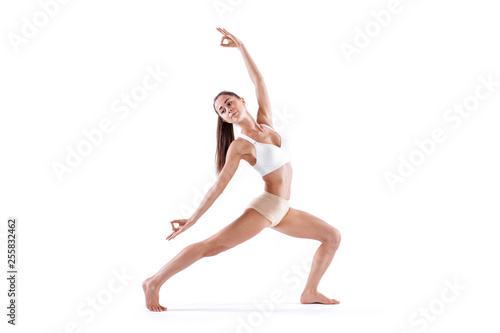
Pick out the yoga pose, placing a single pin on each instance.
(268, 152)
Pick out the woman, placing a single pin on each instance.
(267, 152)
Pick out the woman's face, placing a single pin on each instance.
(230, 108)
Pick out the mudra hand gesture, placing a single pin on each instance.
(232, 41)
(184, 224)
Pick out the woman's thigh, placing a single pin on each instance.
(246, 226)
(300, 224)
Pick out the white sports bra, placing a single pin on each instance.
(269, 157)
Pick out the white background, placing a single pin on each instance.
(347, 121)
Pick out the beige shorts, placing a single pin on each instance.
(271, 206)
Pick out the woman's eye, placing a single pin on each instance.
(227, 105)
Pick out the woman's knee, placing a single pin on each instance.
(333, 237)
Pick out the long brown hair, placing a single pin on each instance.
(225, 135)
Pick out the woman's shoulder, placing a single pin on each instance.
(242, 148)
(241, 145)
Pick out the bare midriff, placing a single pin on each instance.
(279, 181)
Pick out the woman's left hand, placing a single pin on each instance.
(184, 224)
(232, 40)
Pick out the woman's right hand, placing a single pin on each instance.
(184, 224)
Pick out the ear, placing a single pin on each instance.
(243, 100)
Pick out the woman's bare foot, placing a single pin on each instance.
(310, 297)
(152, 296)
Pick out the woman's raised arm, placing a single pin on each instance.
(264, 114)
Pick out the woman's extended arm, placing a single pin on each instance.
(253, 71)
(232, 162)
(264, 114)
